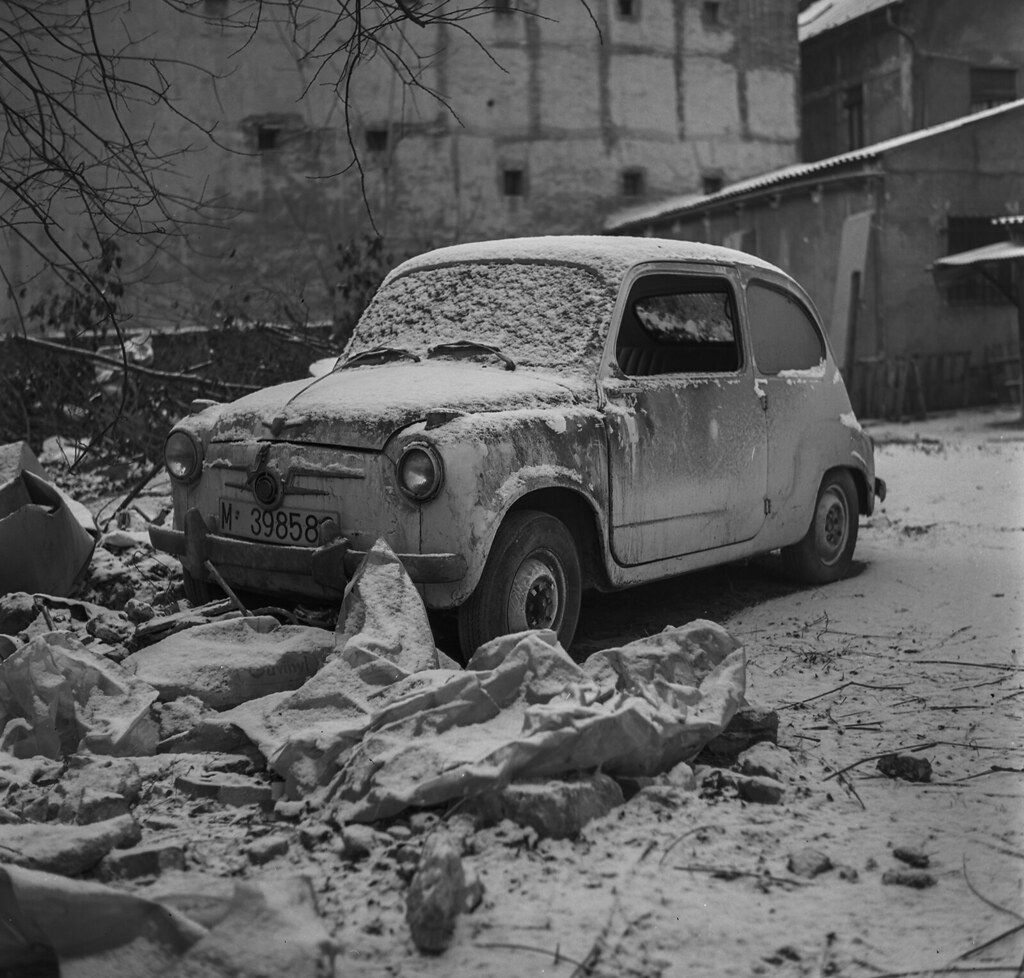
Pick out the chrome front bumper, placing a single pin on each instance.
(330, 566)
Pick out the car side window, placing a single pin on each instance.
(783, 335)
(678, 324)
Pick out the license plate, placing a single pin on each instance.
(298, 527)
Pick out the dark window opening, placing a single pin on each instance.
(673, 324)
(268, 137)
(782, 332)
(972, 288)
(633, 183)
(711, 13)
(991, 87)
(853, 106)
(629, 9)
(376, 140)
(513, 183)
(711, 183)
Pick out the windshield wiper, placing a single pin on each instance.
(384, 354)
(471, 346)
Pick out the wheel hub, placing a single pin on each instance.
(832, 526)
(535, 598)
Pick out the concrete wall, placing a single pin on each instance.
(913, 61)
(670, 94)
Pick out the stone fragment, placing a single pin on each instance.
(315, 836)
(67, 850)
(474, 889)
(228, 789)
(749, 725)
(808, 862)
(766, 760)
(906, 767)
(912, 857)
(421, 822)
(112, 629)
(917, 879)
(763, 791)
(681, 776)
(436, 895)
(225, 663)
(553, 808)
(399, 831)
(268, 847)
(358, 841)
(151, 859)
(847, 873)
(17, 611)
(138, 611)
(94, 789)
(289, 811)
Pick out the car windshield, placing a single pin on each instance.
(539, 314)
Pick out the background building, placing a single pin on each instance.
(875, 69)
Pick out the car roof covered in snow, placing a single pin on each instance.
(609, 256)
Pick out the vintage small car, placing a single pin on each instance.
(524, 419)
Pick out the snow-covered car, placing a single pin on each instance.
(524, 419)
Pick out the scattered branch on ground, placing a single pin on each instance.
(984, 899)
(874, 757)
(835, 689)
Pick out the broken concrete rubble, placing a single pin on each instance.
(67, 850)
(228, 789)
(150, 859)
(436, 895)
(225, 663)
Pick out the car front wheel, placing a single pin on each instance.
(531, 579)
(826, 551)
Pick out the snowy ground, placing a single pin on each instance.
(921, 649)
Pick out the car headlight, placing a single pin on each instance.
(183, 456)
(420, 472)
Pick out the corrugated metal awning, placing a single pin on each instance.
(827, 14)
(1000, 251)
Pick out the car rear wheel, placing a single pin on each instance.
(531, 579)
(826, 551)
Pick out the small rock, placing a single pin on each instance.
(138, 611)
(289, 810)
(907, 767)
(808, 863)
(231, 764)
(918, 879)
(848, 873)
(17, 611)
(763, 791)
(270, 846)
(146, 860)
(681, 776)
(314, 836)
(555, 809)
(228, 789)
(399, 831)
(436, 895)
(912, 857)
(474, 889)
(358, 841)
(181, 715)
(421, 822)
(110, 629)
(750, 725)
(93, 805)
(406, 859)
(765, 760)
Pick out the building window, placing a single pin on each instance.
(629, 9)
(711, 13)
(513, 183)
(711, 183)
(853, 107)
(634, 183)
(376, 140)
(972, 288)
(991, 87)
(267, 138)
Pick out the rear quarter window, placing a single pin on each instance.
(782, 332)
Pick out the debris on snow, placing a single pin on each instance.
(228, 789)
(437, 894)
(766, 760)
(749, 725)
(906, 767)
(52, 534)
(912, 857)
(916, 879)
(67, 850)
(808, 863)
(150, 859)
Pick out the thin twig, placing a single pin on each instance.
(226, 588)
(679, 838)
(556, 955)
(726, 872)
(984, 899)
(874, 757)
(836, 689)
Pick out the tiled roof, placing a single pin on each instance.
(677, 206)
(1000, 251)
(828, 14)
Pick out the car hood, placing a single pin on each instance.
(362, 407)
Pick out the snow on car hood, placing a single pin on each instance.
(361, 407)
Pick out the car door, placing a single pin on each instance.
(687, 450)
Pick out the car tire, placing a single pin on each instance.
(532, 579)
(198, 591)
(826, 551)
